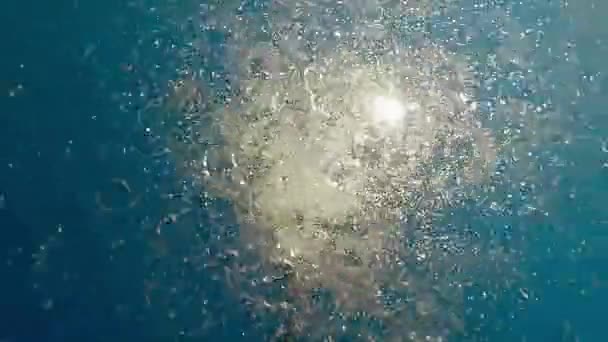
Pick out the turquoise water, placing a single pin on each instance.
(71, 137)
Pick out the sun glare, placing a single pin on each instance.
(388, 110)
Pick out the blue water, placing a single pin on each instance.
(69, 272)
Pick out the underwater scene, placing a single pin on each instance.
(304, 170)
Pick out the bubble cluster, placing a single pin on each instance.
(333, 156)
(344, 162)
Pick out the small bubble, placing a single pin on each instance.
(171, 314)
(48, 304)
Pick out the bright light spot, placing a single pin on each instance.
(388, 110)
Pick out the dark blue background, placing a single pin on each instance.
(62, 138)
